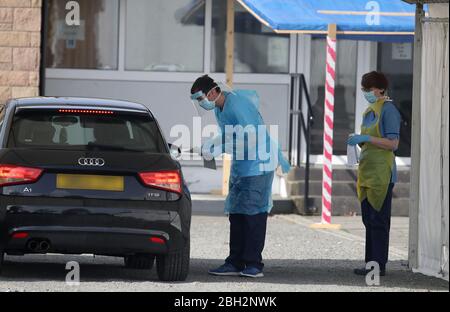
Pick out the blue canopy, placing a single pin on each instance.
(354, 18)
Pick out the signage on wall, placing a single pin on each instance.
(72, 29)
(71, 34)
(402, 51)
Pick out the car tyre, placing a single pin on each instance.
(139, 262)
(174, 266)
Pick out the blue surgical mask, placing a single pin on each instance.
(207, 104)
(370, 96)
(204, 103)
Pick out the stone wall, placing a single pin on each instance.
(20, 41)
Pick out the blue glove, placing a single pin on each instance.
(358, 139)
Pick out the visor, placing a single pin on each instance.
(198, 96)
(195, 99)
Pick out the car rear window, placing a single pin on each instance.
(85, 130)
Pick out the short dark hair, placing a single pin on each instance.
(204, 84)
(374, 79)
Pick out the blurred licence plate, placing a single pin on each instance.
(89, 182)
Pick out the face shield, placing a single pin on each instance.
(201, 101)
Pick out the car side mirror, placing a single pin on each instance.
(175, 151)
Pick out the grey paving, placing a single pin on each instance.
(297, 258)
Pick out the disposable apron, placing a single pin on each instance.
(375, 164)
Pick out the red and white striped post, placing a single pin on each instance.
(327, 179)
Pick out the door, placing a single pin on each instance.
(396, 61)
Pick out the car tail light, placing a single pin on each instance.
(157, 240)
(11, 174)
(86, 111)
(20, 235)
(166, 180)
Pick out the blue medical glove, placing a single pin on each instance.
(358, 139)
(284, 163)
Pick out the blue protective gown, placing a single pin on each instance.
(255, 155)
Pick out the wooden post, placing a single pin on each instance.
(229, 80)
(332, 31)
(229, 63)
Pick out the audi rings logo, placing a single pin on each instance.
(95, 162)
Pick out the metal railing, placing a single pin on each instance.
(303, 128)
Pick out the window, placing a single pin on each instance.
(91, 45)
(345, 94)
(165, 35)
(396, 61)
(257, 48)
(53, 130)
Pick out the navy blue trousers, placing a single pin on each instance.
(378, 225)
(247, 238)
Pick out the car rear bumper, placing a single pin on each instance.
(99, 227)
(104, 241)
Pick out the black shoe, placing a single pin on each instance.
(364, 272)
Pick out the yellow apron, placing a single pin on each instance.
(375, 164)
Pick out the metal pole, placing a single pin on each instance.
(308, 148)
(300, 120)
(327, 175)
(303, 128)
(415, 143)
(308, 142)
(328, 129)
(43, 64)
(291, 120)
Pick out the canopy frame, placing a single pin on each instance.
(338, 32)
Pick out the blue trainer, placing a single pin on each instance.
(252, 272)
(226, 269)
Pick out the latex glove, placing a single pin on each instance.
(358, 139)
(285, 166)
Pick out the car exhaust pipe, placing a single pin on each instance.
(44, 246)
(33, 245)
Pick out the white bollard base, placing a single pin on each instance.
(325, 226)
